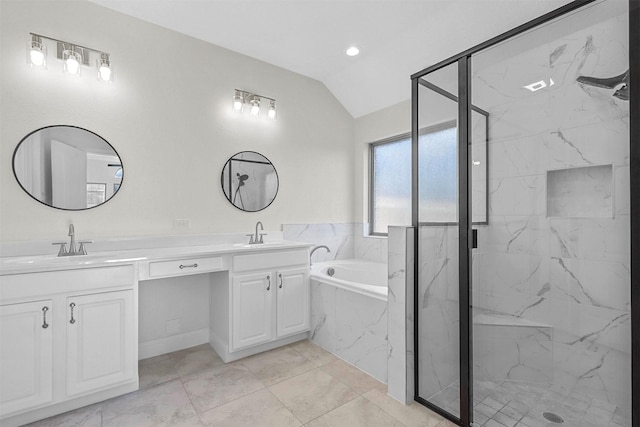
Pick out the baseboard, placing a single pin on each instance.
(172, 343)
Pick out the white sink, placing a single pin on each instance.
(261, 245)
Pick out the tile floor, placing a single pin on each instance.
(520, 404)
(299, 384)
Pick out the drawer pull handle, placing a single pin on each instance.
(45, 325)
(280, 275)
(269, 285)
(72, 305)
(195, 265)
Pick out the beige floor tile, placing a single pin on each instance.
(412, 415)
(152, 374)
(312, 394)
(277, 365)
(89, 416)
(154, 359)
(357, 413)
(351, 376)
(164, 405)
(190, 362)
(216, 386)
(313, 352)
(259, 409)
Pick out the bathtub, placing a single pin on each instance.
(349, 312)
(363, 277)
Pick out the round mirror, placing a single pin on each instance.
(249, 181)
(67, 167)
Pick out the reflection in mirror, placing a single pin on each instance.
(67, 167)
(249, 181)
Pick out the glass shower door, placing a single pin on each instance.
(551, 274)
(437, 299)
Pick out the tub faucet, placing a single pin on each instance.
(257, 238)
(315, 249)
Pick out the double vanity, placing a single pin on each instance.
(69, 324)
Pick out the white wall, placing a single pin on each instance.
(168, 115)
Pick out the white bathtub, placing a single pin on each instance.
(363, 277)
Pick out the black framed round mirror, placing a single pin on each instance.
(67, 167)
(249, 181)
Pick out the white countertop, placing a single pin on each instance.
(50, 262)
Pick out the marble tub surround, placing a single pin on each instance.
(351, 326)
(193, 387)
(556, 249)
(346, 241)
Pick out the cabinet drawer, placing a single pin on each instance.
(181, 267)
(30, 285)
(270, 260)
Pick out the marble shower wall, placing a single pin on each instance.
(345, 241)
(570, 273)
(438, 306)
(400, 357)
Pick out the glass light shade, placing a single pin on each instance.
(37, 57)
(72, 61)
(105, 71)
(272, 111)
(237, 103)
(255, 107)
(37, 54)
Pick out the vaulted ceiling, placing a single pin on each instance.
(396, 38)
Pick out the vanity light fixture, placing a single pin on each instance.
(272, 110)
(37, 52)
(243, 97)
(72, 61)
(73, 57)
(104, 68)
(255, 106)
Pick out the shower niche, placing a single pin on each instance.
(581, 192)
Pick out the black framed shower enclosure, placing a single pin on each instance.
(458, 70)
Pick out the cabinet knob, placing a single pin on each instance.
(72, 305)
(280, 275)
(45, 325)
(269, 285)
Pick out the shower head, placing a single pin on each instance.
(242, 178)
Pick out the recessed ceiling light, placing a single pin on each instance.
(352, 51)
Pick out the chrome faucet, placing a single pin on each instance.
(72, 243)
(315, 249)
(257, 238)
(81, 250)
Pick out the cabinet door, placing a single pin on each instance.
(293, 301)
(251, 306)
(100, 341)
(26, 355)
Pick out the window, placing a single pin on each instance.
(390, 178)
(390, 184)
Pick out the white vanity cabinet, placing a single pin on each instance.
(268, 303)
(68, 339)
(100, 341)
(257, 297)
(26, 355)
